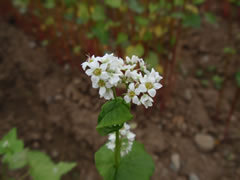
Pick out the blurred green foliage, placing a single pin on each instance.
(41, 167)
(133, 27)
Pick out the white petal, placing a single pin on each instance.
(102, 90)
(104, 75)
(112, 137)
(142, 88)
(84, 65)
(136, 100)
(89, 72)
(131, 136)
(108, 85)
(126, 126)
(94, 65)
(127, 99)
(131, 86)
(95, 85)
(114, 80)
(152, 92)
(157, 85)
(104, 66)
(110, 146)
(94, 79)
(123, 132)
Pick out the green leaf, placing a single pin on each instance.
(135, 6)
(137, 164)
(205, 82)
(100, 31)
(98, 13)
(137, 50)
(17, 160)
(152, 60)
(153, 7)
(211, 68)
(178, 2)
(193, 20)
(218, 80)
(198, 2)
(82, 12)
(147, 36)
(113, 3)
(10, 143)
(122, 38)
(49, 4)
(199, 73)
(69, 3)
(238, 79)
(76, 49)
(49, 21)
(229, 50)
(68, 16)
(178, 15)
(211, 18)
(142, 21)
(41, 167)
(112, 116)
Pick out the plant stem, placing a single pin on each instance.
(114, 93)
(234, 104)
(117, 149)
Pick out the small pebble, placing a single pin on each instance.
(205, 142)
(187, 95)
(175, 162)
(193, 176)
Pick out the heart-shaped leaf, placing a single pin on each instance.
(41, 167)
(137, 164)
(112, 116)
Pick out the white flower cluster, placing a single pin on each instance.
(110, 71)
(126, 138)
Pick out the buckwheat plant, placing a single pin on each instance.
(122, 158)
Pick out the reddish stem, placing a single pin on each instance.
(207, 5)
(173, 61)
(228, 120)
(226, 8)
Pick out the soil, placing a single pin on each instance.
(55, 109)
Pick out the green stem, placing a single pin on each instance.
(114, 92)
(117, 149)
(117, 142)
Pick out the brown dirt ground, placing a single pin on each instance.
(55, 109)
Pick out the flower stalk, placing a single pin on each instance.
(117, 149)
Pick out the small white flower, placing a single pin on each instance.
(132, 95)
(149, 83)
(133, 75)
(111, 145)
(155, 75)
(130, 136)
(88, 62)
(110, 71)
(146, 100)
(95, 69)
(107, 94)
(127, 138)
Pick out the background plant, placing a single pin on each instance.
(36, 164)
(147, 29)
